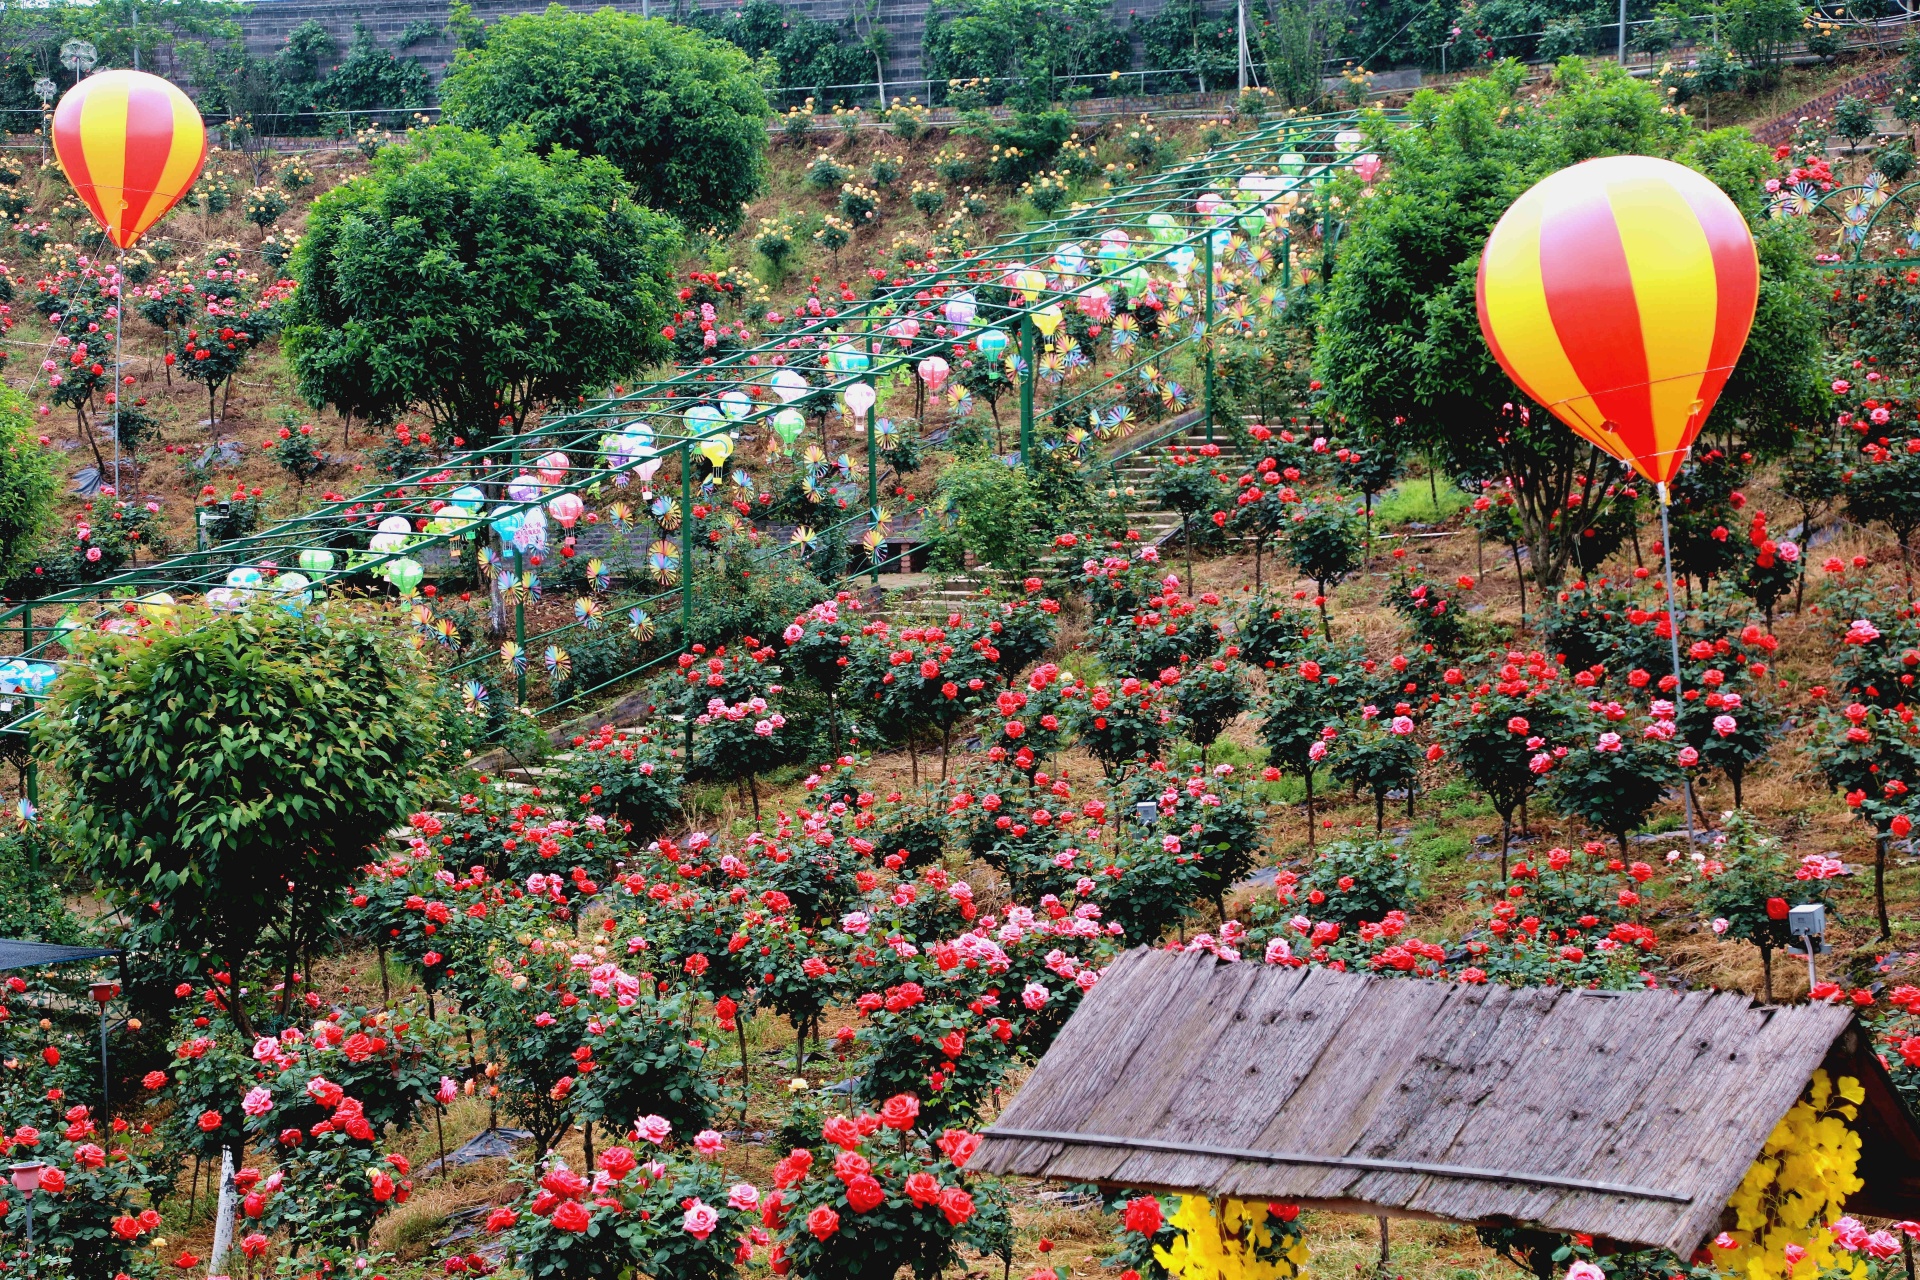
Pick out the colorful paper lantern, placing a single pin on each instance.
(736, 404)
(716, 449)
(933, 371)
(1619, 293)
(314, 560)
(552, 467)
(406, 574)
(566, 508)
(960, 309)
(788, 424)
(859, 398)
(789, 385)
(992, 343)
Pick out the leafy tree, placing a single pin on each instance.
(810, 54)
(1885, 487)
(1303, 702)
(1180, 34)
(28, 486)
(1186, 485)
(1024, 43)
(991, 509)
(680, 113)
(370, 76)
(1402, 354)
(1504, 736)
(235, 775)
(477, 279)
(1614, 781)
(1323, 544)
(1748, 888)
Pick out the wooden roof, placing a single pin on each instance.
(1632, 1116)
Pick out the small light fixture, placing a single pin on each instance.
(1146, 812)
(103, 992)
(1808, 923)
(26, 1175)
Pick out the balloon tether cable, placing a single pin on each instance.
(1673, 637)
(119, 370)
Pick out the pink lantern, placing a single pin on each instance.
(1207, 205)
(553, 467)
(905, 330)
(566, 508)
(933, 372)
(1095, 304)
(1368, 167)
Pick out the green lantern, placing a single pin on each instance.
(788, 425)
(406, 575)
(992, 343)
(314, 560)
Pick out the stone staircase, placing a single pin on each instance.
(1130, 475)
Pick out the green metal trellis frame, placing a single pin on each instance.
(1313, 148)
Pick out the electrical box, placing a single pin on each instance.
(1808, 920)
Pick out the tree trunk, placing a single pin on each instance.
(1309, 781)
(1326, 628)
(1186, 550)
(1379, 812)
(1506, 836)
(1880, 884)
(1520, 578)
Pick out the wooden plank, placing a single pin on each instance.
(1270, 1043)
(1095, 1052)
(1177, 1049)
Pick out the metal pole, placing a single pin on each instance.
(1673, 628)
(32, 780)
(1240, 21)
(1812, 977)
(1623, 32)
(119, 310)
(106, 1095)
(520, 590)
(1206, 335)
(686, 545)
(873, 486)
(1026, 391)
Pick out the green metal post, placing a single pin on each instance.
(1286, 262)
(520, 619)
(1026, 391)
(873, 485)
(1206, 335)
(32, 781)
(686, 543)
(1326, 246)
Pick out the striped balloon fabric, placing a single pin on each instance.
(131, 144)
(1618, 293)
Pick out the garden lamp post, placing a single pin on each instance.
(79, 57)
(26, 1180)
(103, 994)
(1808, 923)
(45, 88)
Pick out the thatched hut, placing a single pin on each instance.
(1630, 1116)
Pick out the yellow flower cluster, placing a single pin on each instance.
(1235, 1240)
(1799, 1184)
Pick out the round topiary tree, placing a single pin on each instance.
(682, 114)
(226, 781)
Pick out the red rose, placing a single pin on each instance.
(957, 1205)
(958, 1146)
(924, 1189)
(209, 1121)
(900, 1111)
(864, 1193)
(1776, 908)
(822, 1222)
(570, 1216)
(53, 1181)
(1142, 1215)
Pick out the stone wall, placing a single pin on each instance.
(268, 22)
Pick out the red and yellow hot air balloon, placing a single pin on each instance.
(131, 144)
(1618, 293)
